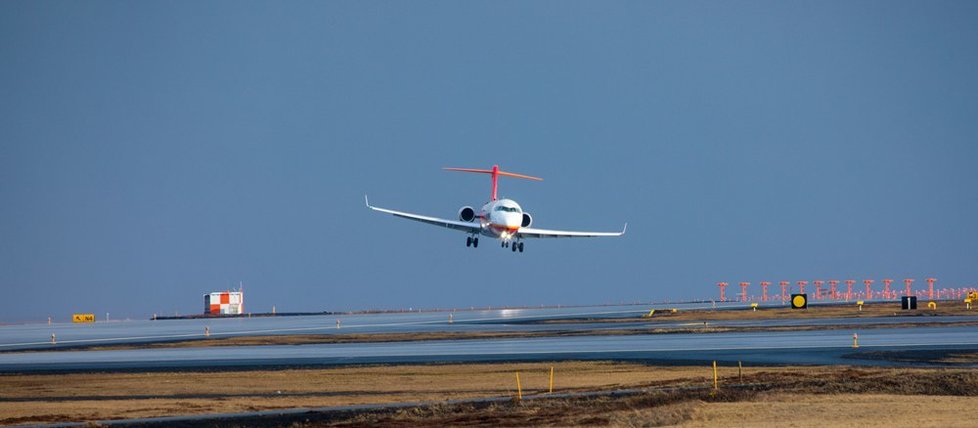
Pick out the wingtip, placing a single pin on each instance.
(366, 201)
(624, 229)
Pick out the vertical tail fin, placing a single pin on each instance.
(495, 172)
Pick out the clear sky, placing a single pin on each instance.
(153, 151)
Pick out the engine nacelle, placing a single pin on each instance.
(466, 214)
(527, 220)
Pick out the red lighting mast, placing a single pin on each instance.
(801, 286)
(869, 290)
(907, 282)
(849, 283)
(743, 291)
(764, 285)
(784, 290)
(930, 288)
(723, 291)
(886, 288)
(834, 289)
(818, 288)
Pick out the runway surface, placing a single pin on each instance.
(38, 336)
(791, 347)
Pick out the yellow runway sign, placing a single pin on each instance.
(83, 318)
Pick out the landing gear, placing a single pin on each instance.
(468, 241)
(514, 247)
(472, 242)
(475, 242)
(521, 246)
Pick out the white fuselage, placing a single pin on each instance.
(501, 219)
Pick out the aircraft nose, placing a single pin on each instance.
(513, 219)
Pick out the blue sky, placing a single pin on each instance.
(154, 151)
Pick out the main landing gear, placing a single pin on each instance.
(472, 242)
(513, 246)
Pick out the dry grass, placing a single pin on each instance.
(769, 393)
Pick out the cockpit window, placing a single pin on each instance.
(507, 209)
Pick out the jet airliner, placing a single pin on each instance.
(502, 219)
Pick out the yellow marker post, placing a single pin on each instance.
(932, 305)
(740, 371)
(860, 304)
(753, 306)
(649, 315)
(855, 340)
(519, 389)
(716, 386)
(551, 379)
(967, 303)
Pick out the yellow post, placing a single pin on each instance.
(519, 389)
(855, 340)
(715, 385)
(551, 379)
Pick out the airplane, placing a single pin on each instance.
(503, 219)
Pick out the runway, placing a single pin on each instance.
(38, 336)
(829, 346)
(803, 347)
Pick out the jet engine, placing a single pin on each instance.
(466, 214)
(527, 220)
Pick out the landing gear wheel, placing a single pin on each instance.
(475, 242)
(468, 241)
(514, 247)
(502, 244)
(521, 247)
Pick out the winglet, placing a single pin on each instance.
(624, 229)
(366, 201)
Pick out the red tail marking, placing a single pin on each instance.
(495, 176)
(495, 180)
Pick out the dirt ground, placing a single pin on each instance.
(788, 396)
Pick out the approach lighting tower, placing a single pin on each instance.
(907, 282)
(784, 290)
(869, 289)
(818, 288)
(801, 286)
(743, 291)
(764, 285)
(723, 291)
(849, 283)
(834, 289)
(930, 288)
(886, 288)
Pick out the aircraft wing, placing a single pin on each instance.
(464, 226)
(529, 232)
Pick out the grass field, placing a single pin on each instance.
(671, 395)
